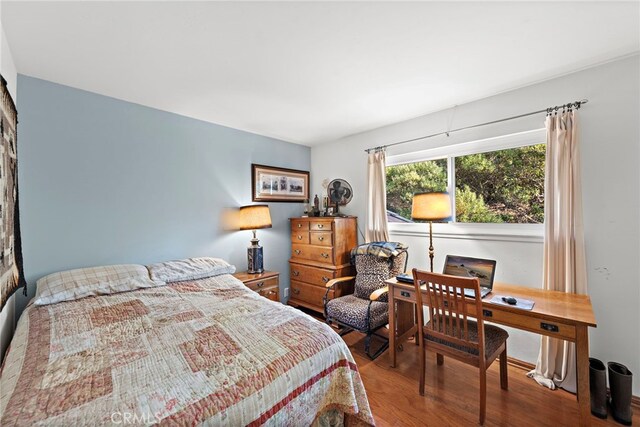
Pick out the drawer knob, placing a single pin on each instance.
(260, 284)
(324, 255)
(550, 327)
(325, 279)
(299, 225)
(298, 251)
(320, 225)
(296, 291)
(487, 313)
(299, 237)
(295, 273)
(405, 294)
(321, 238)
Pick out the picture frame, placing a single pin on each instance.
(273, 184)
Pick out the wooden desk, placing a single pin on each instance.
(555, 314)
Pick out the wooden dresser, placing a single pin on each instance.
(320, 251)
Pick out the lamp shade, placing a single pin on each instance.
(254, 216)
(431, 206)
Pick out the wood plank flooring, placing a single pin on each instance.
(451, 394)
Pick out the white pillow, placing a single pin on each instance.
(83, 282)
(189, 269)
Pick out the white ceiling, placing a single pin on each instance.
(315, 71)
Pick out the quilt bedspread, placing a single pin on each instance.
(208, 351)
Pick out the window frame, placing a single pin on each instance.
(478, 231)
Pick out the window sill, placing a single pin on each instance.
(526, 233)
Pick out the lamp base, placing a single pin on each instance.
(254, 258)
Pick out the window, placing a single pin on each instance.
(493, 181)
(405, 180)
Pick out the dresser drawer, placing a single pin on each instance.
(313, 253)
(260, 284)
(270, 293)
(309, 294)
(321, 238)
(298, 225)
(320, 225)
(300, 237)
(313, 275)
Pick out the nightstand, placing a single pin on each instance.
(265, 283)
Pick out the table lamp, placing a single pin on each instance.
(431, 207)
(251, 218)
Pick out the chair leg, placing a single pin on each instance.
(415, 314)
(367, 343)
(379, 351)
(504, 378)
(440, 359)
(483, 394)
(423, 364)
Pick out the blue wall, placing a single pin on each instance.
(104, 181)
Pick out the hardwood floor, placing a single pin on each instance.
(451, 394)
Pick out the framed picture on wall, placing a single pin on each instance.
(272, 184)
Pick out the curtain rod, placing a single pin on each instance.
(549, 110)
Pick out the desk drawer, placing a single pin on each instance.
(313, 253)
(524, 321)
(403, 294)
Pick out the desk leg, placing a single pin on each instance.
(392, 328)
(582, 374)
(405, 321)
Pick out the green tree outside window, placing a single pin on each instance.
(505, 186)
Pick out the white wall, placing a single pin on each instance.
(610, 139)
(8, 71)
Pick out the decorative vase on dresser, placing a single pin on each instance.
(320, 251)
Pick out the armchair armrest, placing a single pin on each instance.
(378, 293)
(332, 282)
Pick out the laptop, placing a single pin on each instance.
(483, 269)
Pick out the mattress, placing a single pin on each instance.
(208, 351)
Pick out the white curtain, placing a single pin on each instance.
(564, 256)
(376, 227)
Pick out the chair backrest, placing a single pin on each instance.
(373, 270)
(448, 310)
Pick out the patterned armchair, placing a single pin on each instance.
(366, 310)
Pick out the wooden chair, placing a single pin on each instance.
(449, 331)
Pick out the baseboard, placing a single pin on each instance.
(635, 402)
(526, 366)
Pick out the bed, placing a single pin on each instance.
(202, 351)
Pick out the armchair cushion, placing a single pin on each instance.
(373, 270)
(352, 311)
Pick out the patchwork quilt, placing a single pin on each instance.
(208, 351)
